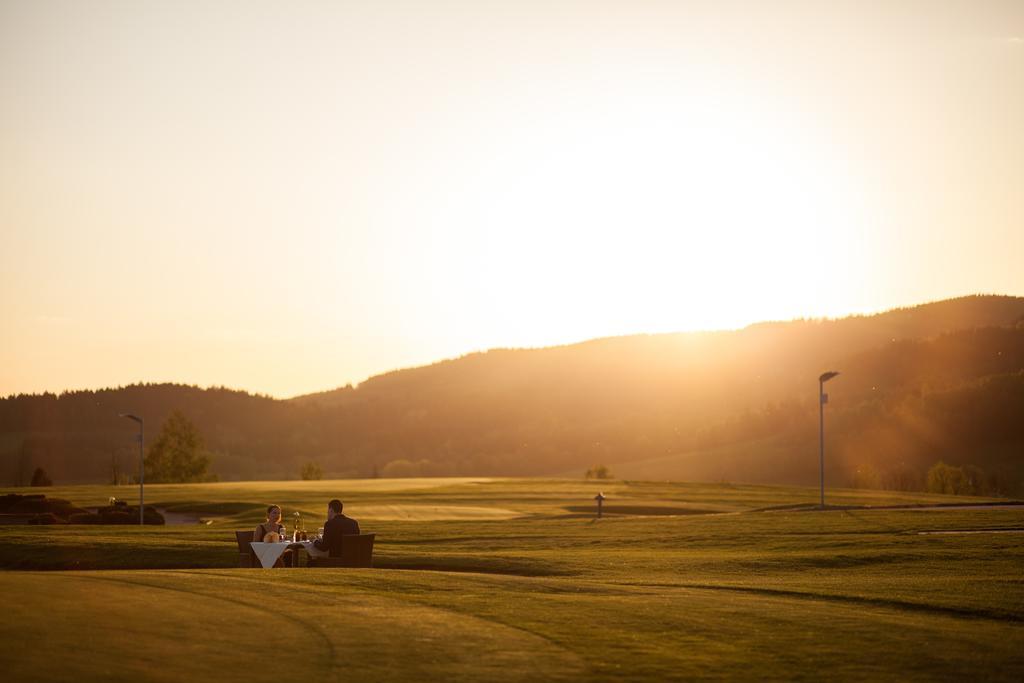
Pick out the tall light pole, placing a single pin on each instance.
(822, 400)
(142, 463)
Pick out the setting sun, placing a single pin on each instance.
(393, 185)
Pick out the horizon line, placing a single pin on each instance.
(355, 385)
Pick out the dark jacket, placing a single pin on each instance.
(334, 531)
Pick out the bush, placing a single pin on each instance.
(120, 516)
(46, 518)
(84, 518)
(38, 504)
(599, 472)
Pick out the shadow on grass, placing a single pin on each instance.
(958, 612)
(218, 509)
(475, 565)
(839, 561)
(638, 510)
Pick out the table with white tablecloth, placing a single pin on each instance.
(269, 553)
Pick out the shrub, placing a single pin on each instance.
(84, 518)
(38, 504)
(108, 515)
(45, 518)
(117, 518)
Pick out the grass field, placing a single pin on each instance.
(480, 579)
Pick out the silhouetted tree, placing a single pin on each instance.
(40, 478)
(312, 472)
(943, 478)
(177, 455)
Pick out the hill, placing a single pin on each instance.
(937, 381)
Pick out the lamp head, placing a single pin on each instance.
(827, 376)
(136, 418)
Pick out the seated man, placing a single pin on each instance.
(337, 526)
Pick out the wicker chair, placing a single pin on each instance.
(356, 551)
(246, 557)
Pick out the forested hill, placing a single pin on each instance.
(942, 380)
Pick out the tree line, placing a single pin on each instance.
(914, 389)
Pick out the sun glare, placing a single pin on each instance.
(662, 214)
(400, 184)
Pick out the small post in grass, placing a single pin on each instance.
(599, 498)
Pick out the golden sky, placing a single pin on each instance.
(285, 197)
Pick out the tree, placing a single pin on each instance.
(178, 454)
(40, 478)
(943, 478)
(599, 472)
(312, 472)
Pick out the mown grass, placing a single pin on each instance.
(547, 595)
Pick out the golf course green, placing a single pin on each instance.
(515, 579)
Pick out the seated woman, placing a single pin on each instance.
(272, 531)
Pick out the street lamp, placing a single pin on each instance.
(142, 467)
(822, 400)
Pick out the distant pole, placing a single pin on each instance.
(599, 498)
(822, 400)
(142, 465)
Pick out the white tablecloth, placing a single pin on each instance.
(269, 553)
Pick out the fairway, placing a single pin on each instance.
(433, 513)
(684, 582)
(198, 623)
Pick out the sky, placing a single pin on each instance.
(289, 197)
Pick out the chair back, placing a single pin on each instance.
(244, 538)
(357, 551)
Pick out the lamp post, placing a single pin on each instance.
(142, 466)
(822, 400)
